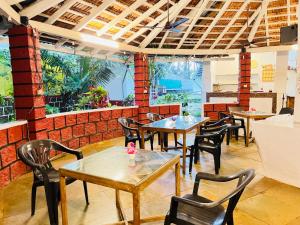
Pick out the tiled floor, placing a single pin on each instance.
(265, 201)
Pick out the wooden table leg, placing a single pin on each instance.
(136, 208)
(183, 152)
(122, 215)
(63, 200)
(248, 132)
(143, 139)
(177, 179)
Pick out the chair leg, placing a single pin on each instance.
(167, 221)
(192, 152)
(227, 137)
(175, 138)
(196, 155)
(151, 143)
(33, 199)
(50, 199)
(166, 137)
(236, 132)
(158, 136)
(230, 220)
(86, 193)
(126, 142)
(216, 161)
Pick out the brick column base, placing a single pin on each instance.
(27, 79)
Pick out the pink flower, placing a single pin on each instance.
(131, 148)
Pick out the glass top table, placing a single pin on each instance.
(256, 115)
(113, 168)
(176, 124)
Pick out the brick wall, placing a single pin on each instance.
(166, 110)
(73, 129)
(212, 110)
(12, 135)
(76, 129)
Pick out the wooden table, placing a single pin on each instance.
(181, 125)
(256, 115)
(113, 168)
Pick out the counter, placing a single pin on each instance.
(262, 101)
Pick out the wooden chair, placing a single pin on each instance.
(192, 209)
(36, 154)
(132, 134)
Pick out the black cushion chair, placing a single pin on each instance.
(211, 142)
(36, 154)
(155, 117)
(192, 209)
(131, 131)
(286, 110)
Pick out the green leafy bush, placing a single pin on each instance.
(51, 110)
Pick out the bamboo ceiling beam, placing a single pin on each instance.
(67, 5)
(93, 14)
(121, 16)
(198, 12)
(232, 21)
(38, 7)
(253, 16)
(258, 20)
(212, 25)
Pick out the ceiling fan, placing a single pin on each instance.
(251, 44)
(168, 26)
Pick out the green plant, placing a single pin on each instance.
(95, 98)
(129, 100)
(2, 100)
(51, 109)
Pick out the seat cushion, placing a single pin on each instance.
(198, 215)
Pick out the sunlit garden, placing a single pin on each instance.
(73, 83)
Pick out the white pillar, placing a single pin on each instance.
(206, 80)
(297, 96)
(281, 77)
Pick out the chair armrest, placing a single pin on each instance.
(63, 148)
(194, 203)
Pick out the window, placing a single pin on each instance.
(177, 82)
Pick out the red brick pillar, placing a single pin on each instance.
(27, 79)
(141, 85)
(244, 80)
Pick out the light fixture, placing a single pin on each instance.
(99, 41)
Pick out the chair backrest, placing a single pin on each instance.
(126, 124)
(244, 178)
(286, 110)
(154, 117)
(235, 109)
(37, 153)
(222, 133)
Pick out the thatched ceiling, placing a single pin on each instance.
(212, 25)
